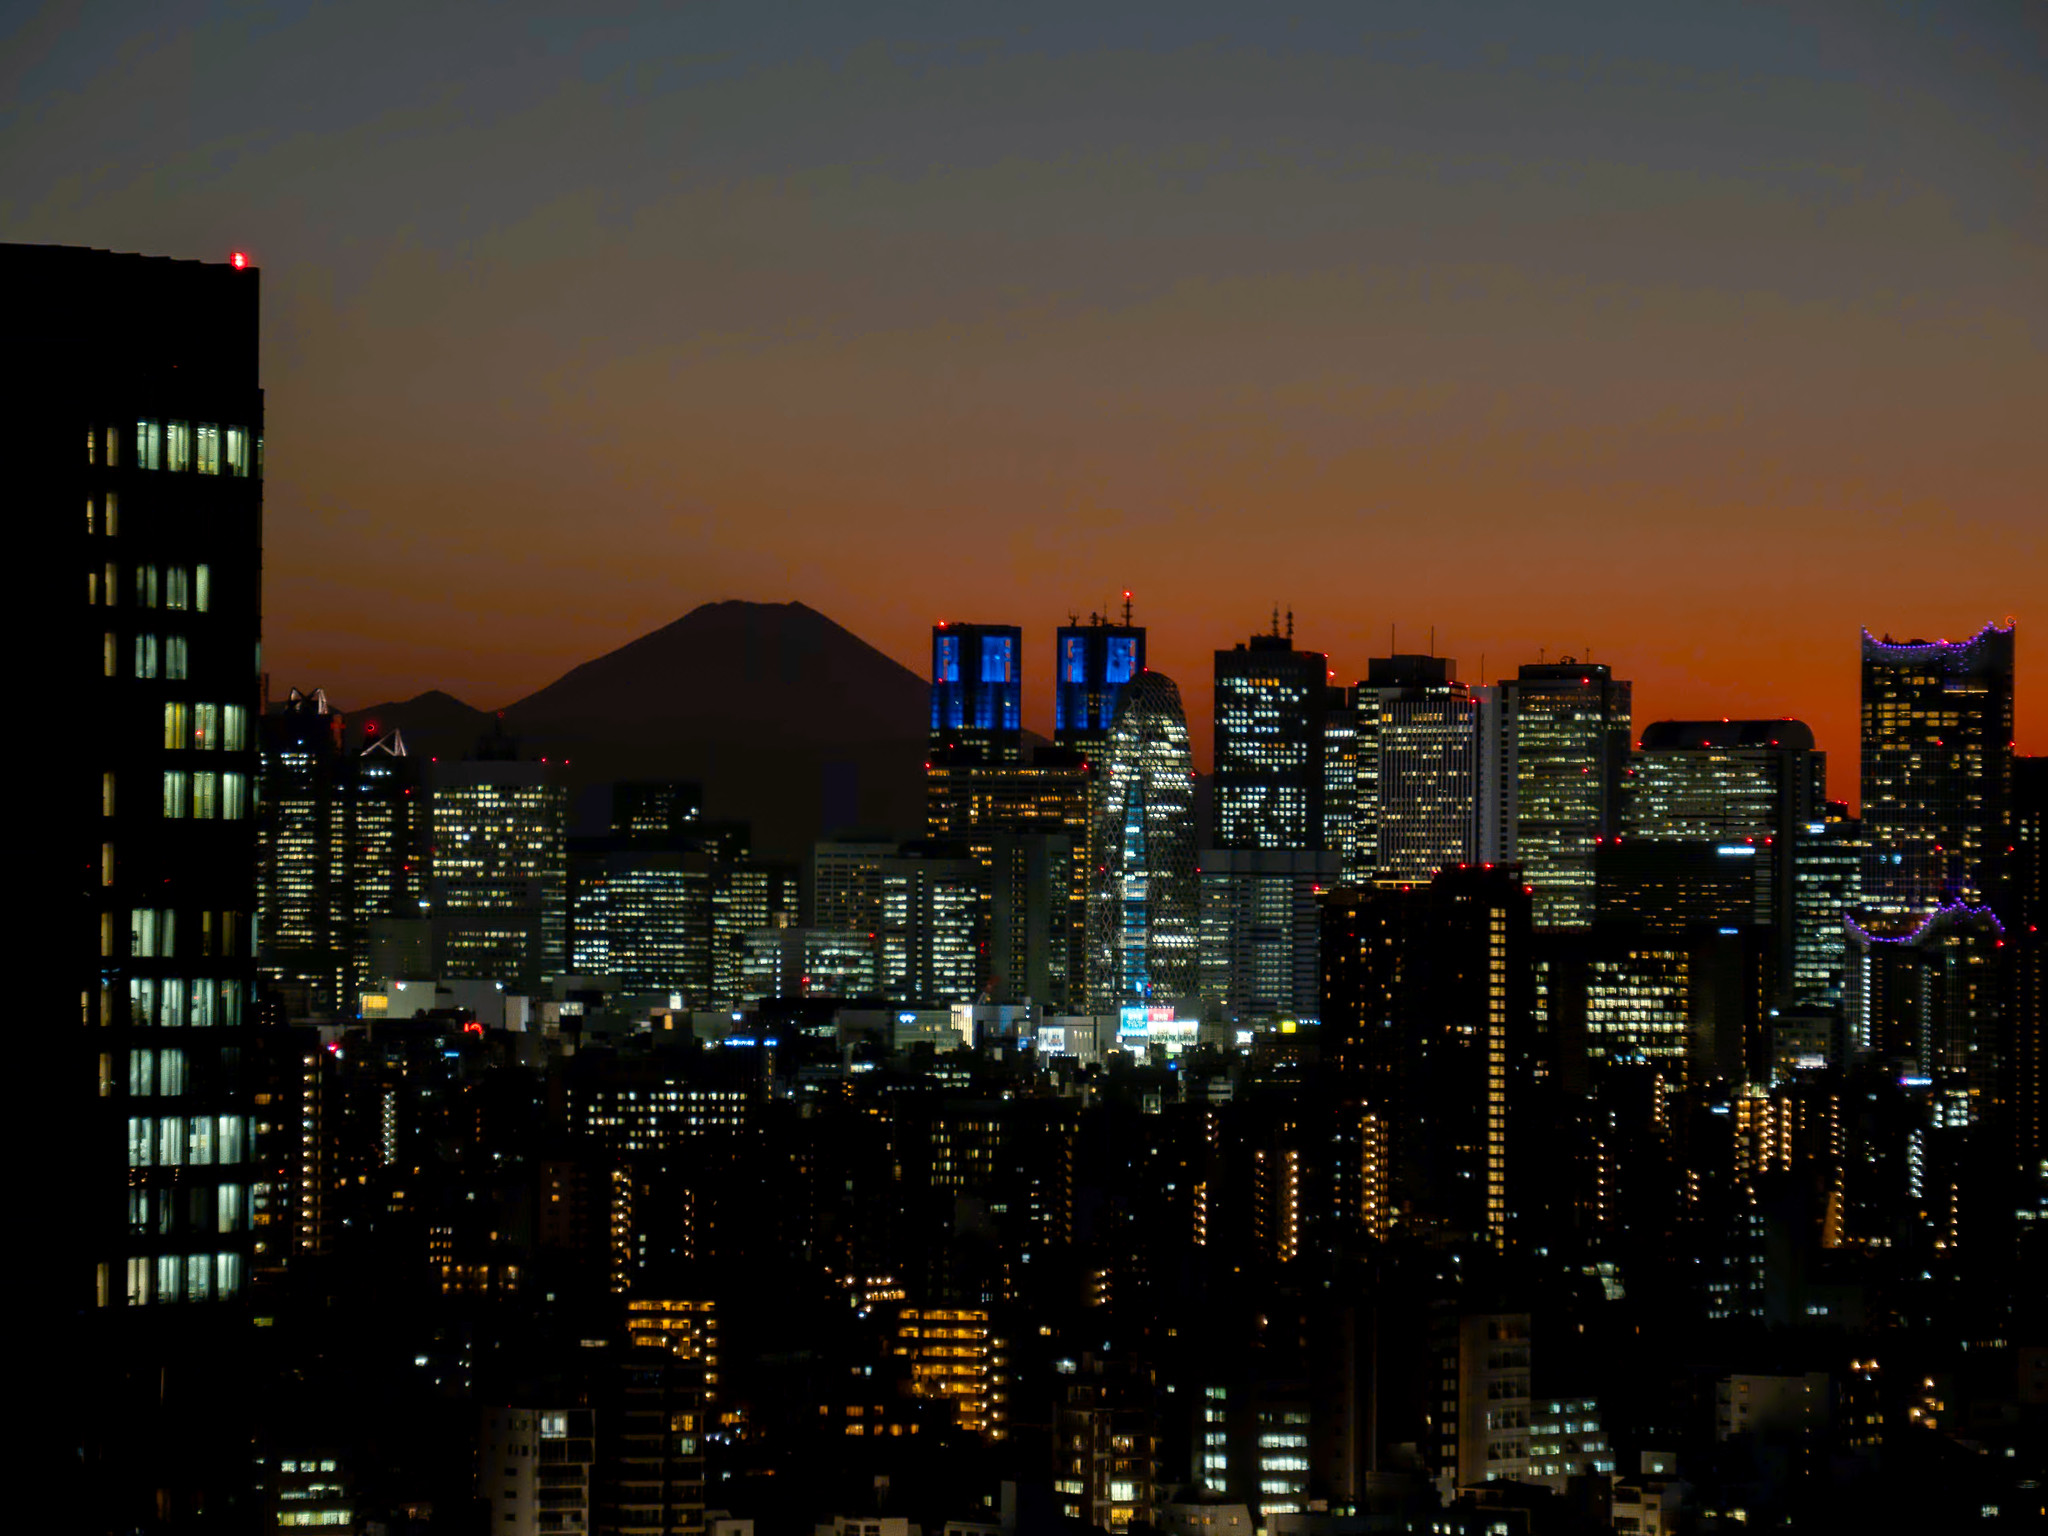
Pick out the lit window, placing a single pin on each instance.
(178, 446)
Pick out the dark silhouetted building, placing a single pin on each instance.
(142, 406)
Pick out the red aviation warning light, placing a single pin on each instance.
(238, 259)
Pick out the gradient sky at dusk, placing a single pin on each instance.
(1698, 335)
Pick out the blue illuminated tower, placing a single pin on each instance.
(1094, 661)
(977, 693)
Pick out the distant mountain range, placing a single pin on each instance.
(788, 721)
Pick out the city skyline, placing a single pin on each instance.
(1700, 351)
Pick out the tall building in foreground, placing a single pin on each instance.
(146, 424)
(1937, 768)
(1269, 784)
(1426, 1015)
(1563, 760)
(1144, 907)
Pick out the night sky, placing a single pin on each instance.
(1695, 335)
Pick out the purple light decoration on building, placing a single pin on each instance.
(1949, 909)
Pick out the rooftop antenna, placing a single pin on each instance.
(1127, 607)
(1276, 621)
(1540, 651)
(1290, 624)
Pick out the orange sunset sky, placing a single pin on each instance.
(1698, 336)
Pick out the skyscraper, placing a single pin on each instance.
(147, 409)
(1143, 911)
(1269, 785)
(977, 693)
(302, 899)
(341, 853)
(500, 869)
(1427, 998)
(1093, 662)
(1563, 758)
(1937, 767)
(1428, 773)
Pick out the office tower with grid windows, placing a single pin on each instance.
(1428, 771)
(1937, 769)
(145, 424)
(500, 871)
(1563, 758)
(1269, 784)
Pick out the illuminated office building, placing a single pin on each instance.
(341, 849)
(806, 962)
(996, 811)
(931, 935)
(750, 895)
(1144, 906)
(1340, 774)
(1758, 783)
(1828, 858)
(642, 915)
(846, 882)
(304, 917)
(1269, 783)
(1563, 758)
(1428, 771)
(500, 869)
(1093, 662)
(977, 693)
(1937, 768)
(141, 405)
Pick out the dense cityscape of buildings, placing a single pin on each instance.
(1468, 1108)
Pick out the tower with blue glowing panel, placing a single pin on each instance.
(977, 693)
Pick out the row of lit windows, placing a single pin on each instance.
(170, 1277)
(171, 1141)
(181, 447)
